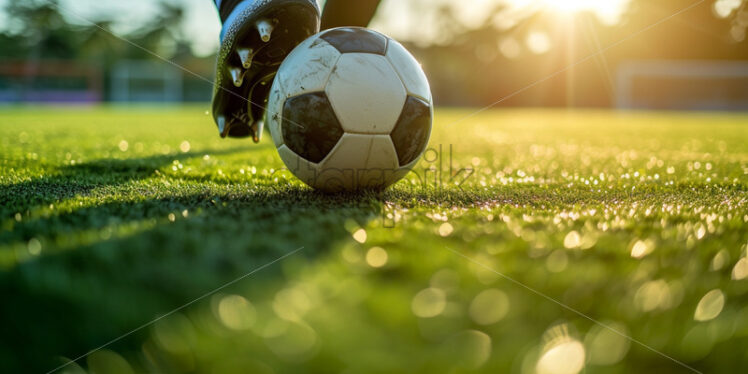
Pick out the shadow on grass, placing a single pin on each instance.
(80, 179)
(106, 269)
(68, 301)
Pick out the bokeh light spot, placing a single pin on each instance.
(572, 240)
(106, 361)
(236, 312)
(445, 229)
(641, 248)
(291, 303)
(653, 295)
(296, 342)
(34, 247)
(471, 348)
(429, 302)
(565, 357)
(359, 236)
(489, 306)
(710, 306)
(557, 261)
(538, 42)
(605, 346)
(376, 257)
(740, 271)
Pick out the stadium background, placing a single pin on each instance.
(474, 55)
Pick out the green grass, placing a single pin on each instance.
(112, 217)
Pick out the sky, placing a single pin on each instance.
(405, 20)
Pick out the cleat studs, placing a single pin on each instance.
(237, 75)
(221, 122)
(245, 55)
(257, 128)
(265, 28)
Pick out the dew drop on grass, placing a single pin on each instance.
(557, 261)
(360, 236)
(106, 361)
(445, 279)
(653, 295)
(351, 254)
(607, 346)
(641, 248)
(429, 303)
(294, 341)
(470, 348)
(740, 271)
(720, 260)
(172, 217)
(34, 246)
(174, 334)
(376, 257)
(710, 306)
(489, 307)
(565, 357)
(700, 232)
(445, 229)
(572, 240)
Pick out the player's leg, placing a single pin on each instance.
(348, 13)
(256, 36)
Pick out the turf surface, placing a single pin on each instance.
(112, 217)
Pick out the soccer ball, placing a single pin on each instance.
(350, 109)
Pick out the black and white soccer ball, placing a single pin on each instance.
(350, 109)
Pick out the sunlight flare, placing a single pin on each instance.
(609, 11)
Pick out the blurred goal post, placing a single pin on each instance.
(49, 81)
(682, 85)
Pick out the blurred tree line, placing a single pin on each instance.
(38, 30)
(533, 54)
(475, 66)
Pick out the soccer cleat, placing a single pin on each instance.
(265, 28)
(257, 36)
(245, 56)
(237, 75)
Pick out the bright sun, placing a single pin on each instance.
(608, 11)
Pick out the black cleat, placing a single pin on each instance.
(256, 37)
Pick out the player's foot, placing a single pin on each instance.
(256, 37)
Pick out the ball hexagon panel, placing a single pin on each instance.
(382, 154)
(340, 168)
(408, 70)
(359, 161)
(298, 166)
(381, 167)
(351, 152)
(309, 126)
(274, 113)
(411, 134)
(307, 68)
(356, 40)
(373, 110)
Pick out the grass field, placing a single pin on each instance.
(110, 218)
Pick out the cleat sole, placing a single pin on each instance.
(236, 96)
(265, 29)
(245, 56)
(237, 76)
